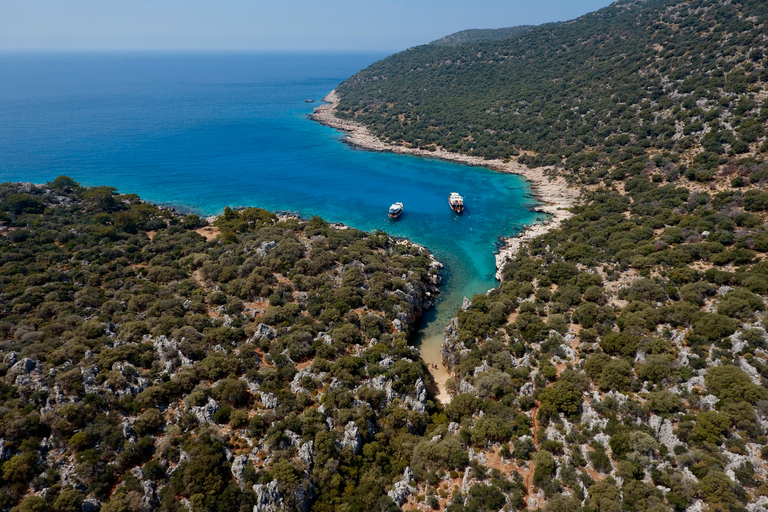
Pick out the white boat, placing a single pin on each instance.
(395, 210)
(456, 202)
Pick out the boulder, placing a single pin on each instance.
(264, 331)
(238, 467)
(26, 365)
(204, 413)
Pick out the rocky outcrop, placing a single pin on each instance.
(264, 331)
(204, 413)
(402, 488)
(351, 438)
(268, 497)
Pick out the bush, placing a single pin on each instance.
(616, 375)
(619, 343)
(714, 327)
(729, 382)
(560, 397)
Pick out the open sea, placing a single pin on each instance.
(201, 131)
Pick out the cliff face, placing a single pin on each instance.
(147, 367)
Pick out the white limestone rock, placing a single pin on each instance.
(402, 488)
(351, 438)
(238, 467)
(664, 431)
(269, 400)
(268, 497)
(306, 456)
(204, 413)
(264, 331)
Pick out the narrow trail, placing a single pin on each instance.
(528, 477)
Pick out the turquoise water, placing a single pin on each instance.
(203, 131)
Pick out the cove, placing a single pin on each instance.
(203, 131)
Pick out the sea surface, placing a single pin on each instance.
(203, 131)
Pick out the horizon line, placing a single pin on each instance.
(196, 50)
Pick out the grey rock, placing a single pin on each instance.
(527, 389)
(294, 439)
(402, 488)
(238, 467)
(305, 454)
(90, 505)
(268, 497)
(759, 505)
(5, 453)
(751, 371)
(128, 432)
(166, 349)
(265, 247)
(149, 500)
(26, 365)
(264, 331)
(10, 358)
(664, 432)
(466, 387)
(90, 383)
(465, 480)
(708, 402)
(723, 290)
(351, 438)
(269, 400)
(204, 413)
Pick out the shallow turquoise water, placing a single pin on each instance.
(202, 131)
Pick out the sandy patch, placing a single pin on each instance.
(208, 232)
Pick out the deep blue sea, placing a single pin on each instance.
(202, 131)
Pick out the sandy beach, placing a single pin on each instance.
(555, 196)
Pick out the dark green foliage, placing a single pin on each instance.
(729, 382)
(561, 397)
(156, 346)
(578, 96)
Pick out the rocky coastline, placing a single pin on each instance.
(554, 193)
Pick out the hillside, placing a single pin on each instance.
(151, 362)
(479, 35)
(622, 363)
(682, 81)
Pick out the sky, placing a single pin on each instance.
(261, 25)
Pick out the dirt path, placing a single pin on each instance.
(528, 477)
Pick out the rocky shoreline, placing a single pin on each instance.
(555, 194)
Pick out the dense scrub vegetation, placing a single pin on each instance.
(622, 364)
(480, 34)
(667, 78)
(145, 367)
(150, 361)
